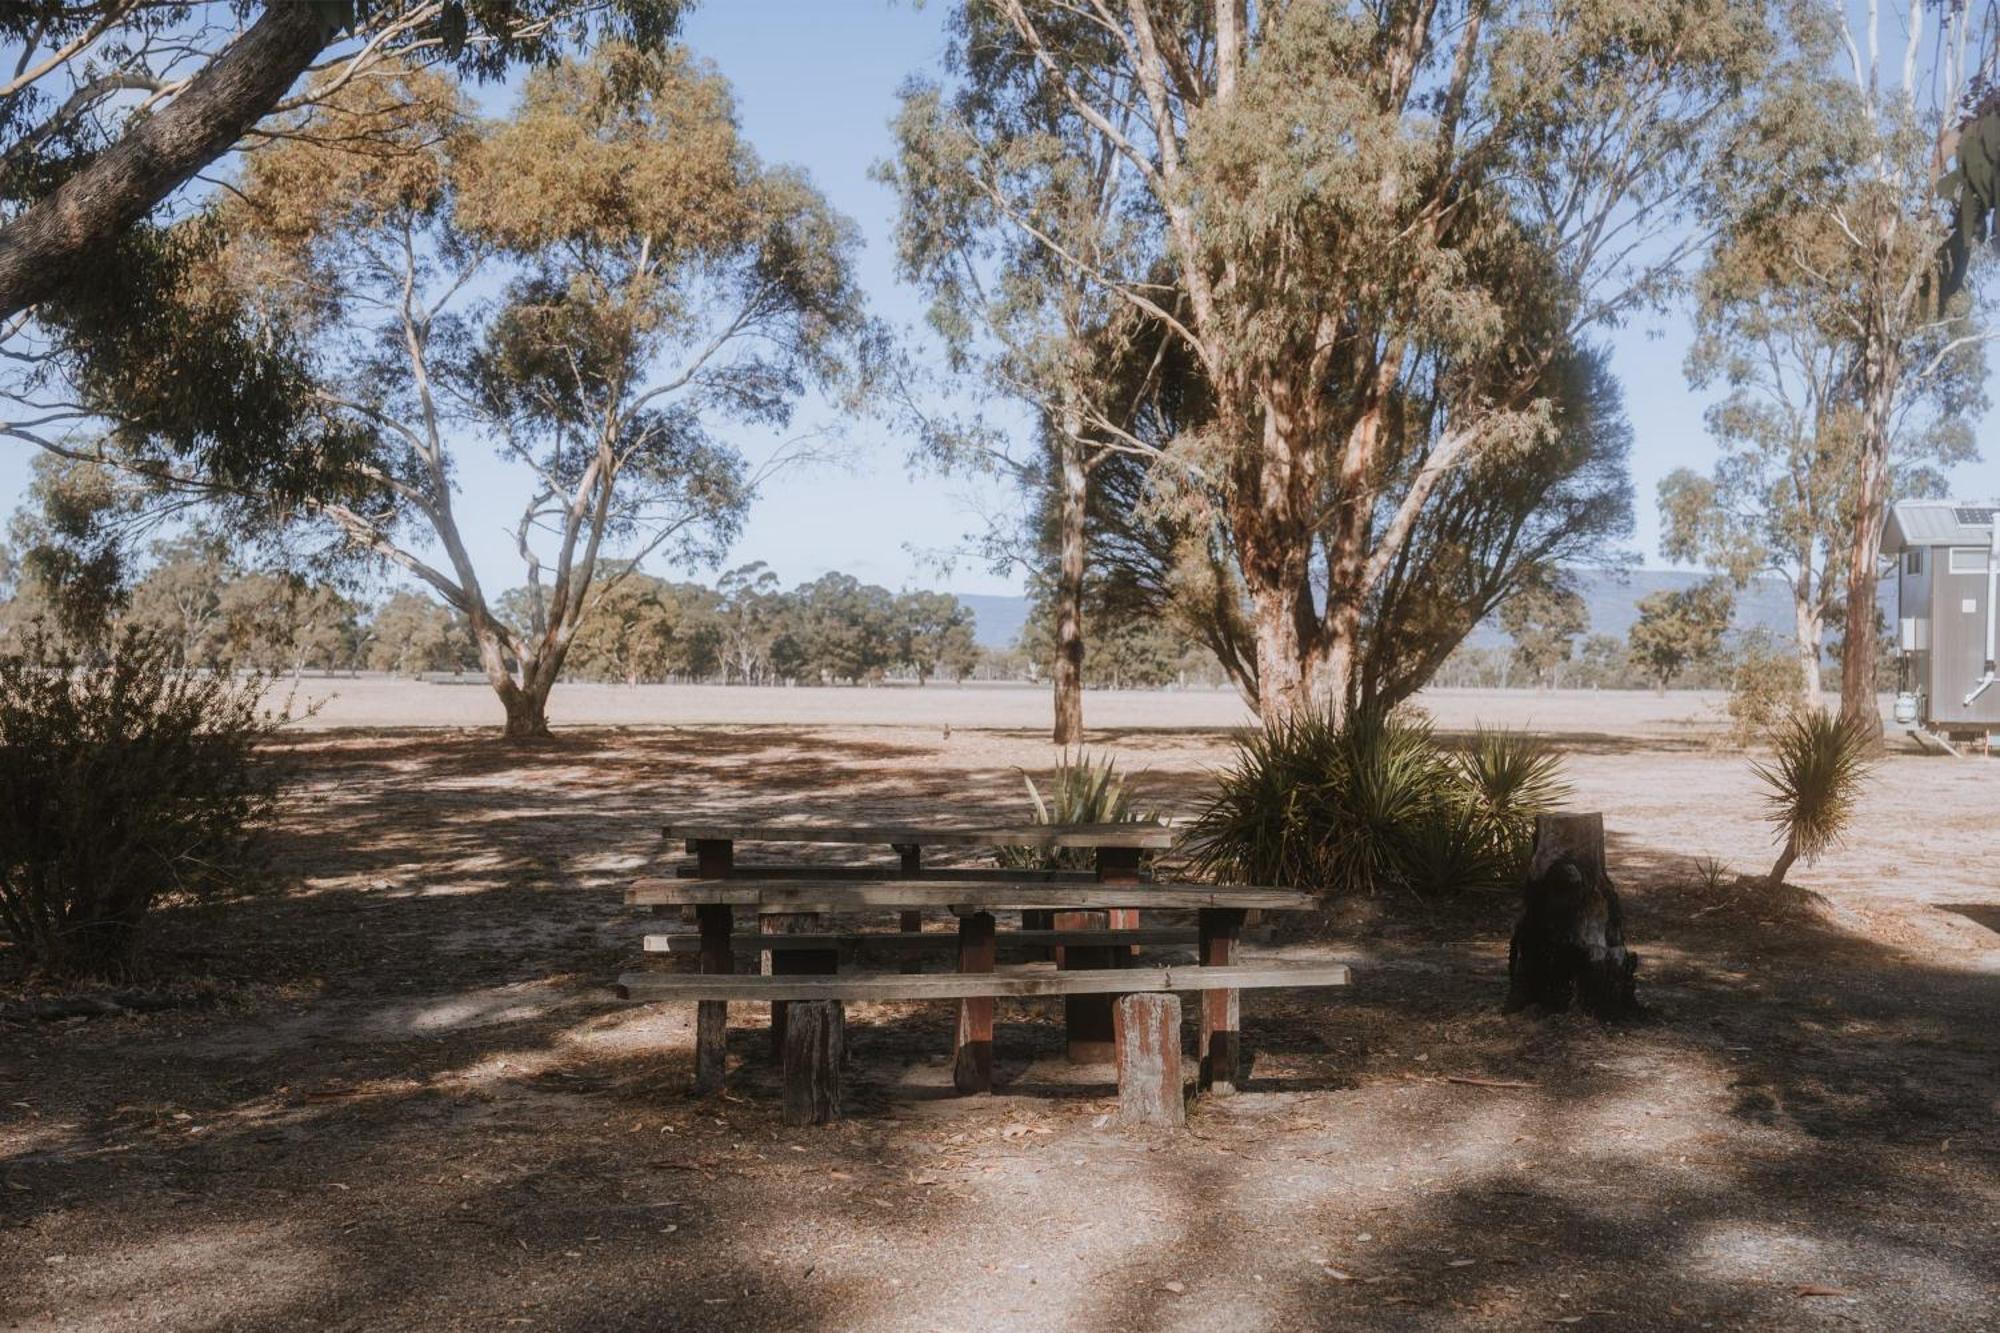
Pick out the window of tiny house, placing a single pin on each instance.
(1913, 560)
(1968, 560)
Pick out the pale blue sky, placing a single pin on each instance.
(816, 83)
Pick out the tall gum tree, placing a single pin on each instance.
(1861, 141)
(1783, 496)
(1335, 197)
(1009, 205)
(649, 276)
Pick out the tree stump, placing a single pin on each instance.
(815, 1032)
(1569, 945)
(1149, 1061)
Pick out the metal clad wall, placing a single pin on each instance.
(1958, 644)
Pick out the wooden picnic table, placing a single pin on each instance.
(792, 899)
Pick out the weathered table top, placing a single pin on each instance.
(791, 895)
(1148, 837)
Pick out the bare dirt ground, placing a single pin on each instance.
(411, 1102)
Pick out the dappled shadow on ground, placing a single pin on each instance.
(417, 1107)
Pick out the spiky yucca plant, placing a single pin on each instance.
(1368, 802)
(1513, 777)
(1811, 784)
(1082, 792)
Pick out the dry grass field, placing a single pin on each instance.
(407, 1100)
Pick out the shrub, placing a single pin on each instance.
(1373, 802)
(1082, 792)
(1765, 687)
(1512, 778)
(121, 784)
(1811, 784)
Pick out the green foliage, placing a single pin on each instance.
(120, 785)
(1544, 619)
(410, 634)
(1374, 802)
(1512, 777)
(1678, 629)
(1812, 782)
(1081, 792)
(1765, 687)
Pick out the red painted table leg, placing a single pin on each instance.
(1221, 1010)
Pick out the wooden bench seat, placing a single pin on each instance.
(902, 942)
(932, 874)
(1121, 836)
(647, 986)
(847, 895)
(1149, 1043)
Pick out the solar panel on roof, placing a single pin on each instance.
(1973, 517)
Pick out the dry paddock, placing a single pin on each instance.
(408, 1100)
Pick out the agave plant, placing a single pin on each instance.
(1811, 784)
(1367, 802)
(1082, 792)
(1513, 777)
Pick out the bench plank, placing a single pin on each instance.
(851, 895)
(875, 941)
(1153, 837)
(886, 873)
(958, 985)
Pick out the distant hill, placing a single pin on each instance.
(996, 620)
(1612, 598)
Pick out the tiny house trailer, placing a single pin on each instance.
(1948, 617)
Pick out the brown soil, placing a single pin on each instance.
(413, 1104)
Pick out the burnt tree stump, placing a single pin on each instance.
(815, 1033)
(1569, 945)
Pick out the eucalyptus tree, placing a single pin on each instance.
(1784, 497)
(650, 277)
(1010, 204)
(1851, 196)
(1346, 209)
(111, 106)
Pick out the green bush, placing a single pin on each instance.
(1082, 792)
(1372, 802)
(121, 783)
(1766, 685)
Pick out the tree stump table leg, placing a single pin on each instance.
(1092, 1020)
(912, 858)
(711, 1017)
(794, 962)
(1149, 1061)
(1221, 1010)
(815, 1033)
(972, 1055)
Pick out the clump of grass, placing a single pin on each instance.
(1371, 801)
(1811, 785)
(1082, 791)
(1711, 874)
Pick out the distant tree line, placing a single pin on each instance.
(213, 612)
